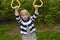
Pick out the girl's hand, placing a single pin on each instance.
(36, 6)
(16, 8)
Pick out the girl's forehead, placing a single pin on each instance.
(24, 13)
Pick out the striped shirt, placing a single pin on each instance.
(28, 23)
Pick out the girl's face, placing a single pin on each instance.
(24, 16)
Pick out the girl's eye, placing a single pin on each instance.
(22, 15)
(25, 14)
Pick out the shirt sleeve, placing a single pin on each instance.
(34, 16)
(18, 18)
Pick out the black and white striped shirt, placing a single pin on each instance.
(28, 23)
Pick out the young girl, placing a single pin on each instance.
(27, 28)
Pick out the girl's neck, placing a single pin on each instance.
(26, 19)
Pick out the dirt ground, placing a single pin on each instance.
(16, 30)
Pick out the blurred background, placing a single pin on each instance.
(47, 23)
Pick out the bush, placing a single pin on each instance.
(49, 13)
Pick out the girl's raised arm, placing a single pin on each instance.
(36, 13)
(17, 14)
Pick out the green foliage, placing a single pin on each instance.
(49, 13)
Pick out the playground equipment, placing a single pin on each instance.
(39, 5)
(20, 3)
(14, 6)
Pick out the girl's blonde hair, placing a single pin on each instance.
(24, 11)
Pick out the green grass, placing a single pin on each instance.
(5, 27)
(48, 35)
